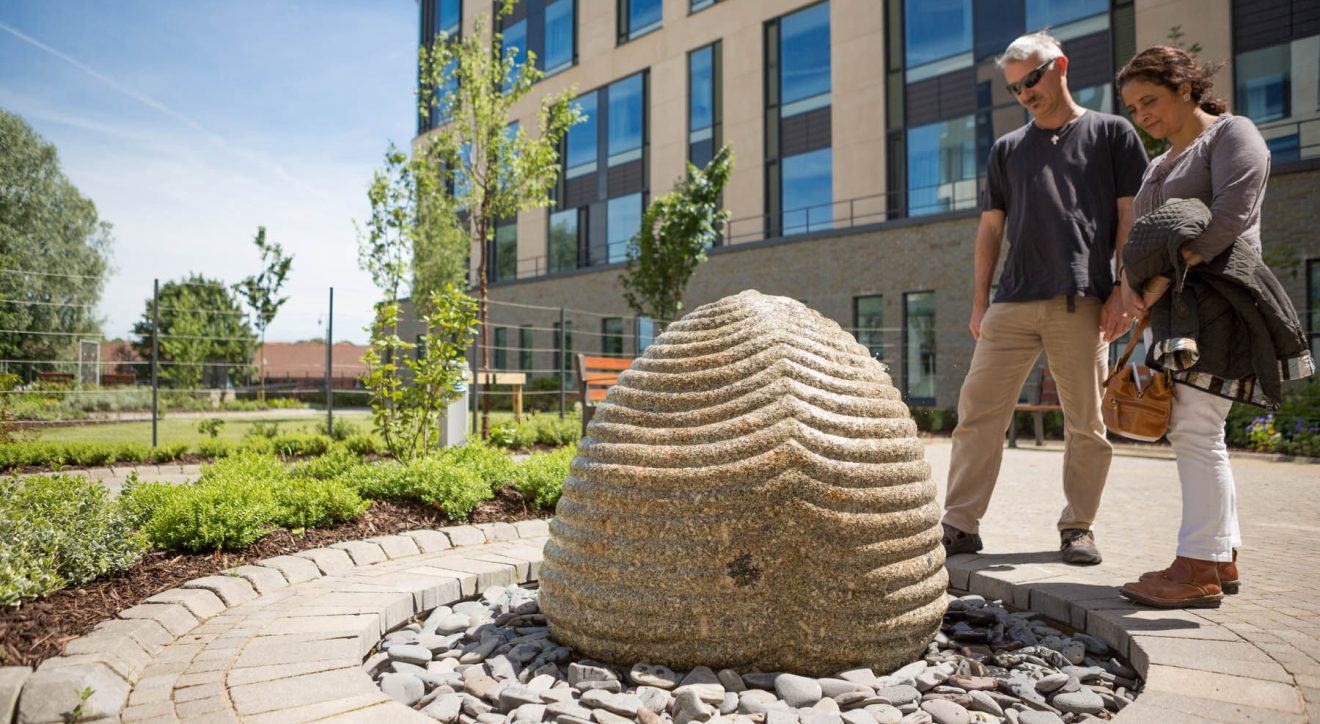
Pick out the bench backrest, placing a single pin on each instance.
(597, 374)
(1049, 394)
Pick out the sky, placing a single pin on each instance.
(190, 124)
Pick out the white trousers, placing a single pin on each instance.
(1209, 530)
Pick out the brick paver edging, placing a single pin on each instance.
(284, 640)
(280, 641)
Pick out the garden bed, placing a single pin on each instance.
(38, 630)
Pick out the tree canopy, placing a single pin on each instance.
(672, 240)
(201, 321)
(54, 250)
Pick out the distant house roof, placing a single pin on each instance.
(307, 359)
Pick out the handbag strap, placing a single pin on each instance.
(1131, 345)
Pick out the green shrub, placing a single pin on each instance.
(491, 464)
(301, 444)
(341, 430)
(338, 461)
(133, 452)
(536, 429)
(540, 478)
(59, 530)
(88, 454)
(168, 452)
(210, 427)
(231, 506)
(139, 501)
(437, 481)
(263, 429)
(366, 444)
(313, 503)
(215, 448)
(258, 445)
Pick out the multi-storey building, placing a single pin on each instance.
(861, 130)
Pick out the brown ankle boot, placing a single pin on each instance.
(1188, 583)
(1228, 575)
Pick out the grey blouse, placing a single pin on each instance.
(1226, 167)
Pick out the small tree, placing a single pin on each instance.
(385, 247)
(195, 301)
(260, 291)
(474, 83)
(405, 412)
(672, 240)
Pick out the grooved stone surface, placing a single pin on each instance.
(751, 495)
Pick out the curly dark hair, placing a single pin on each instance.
(1171, 67)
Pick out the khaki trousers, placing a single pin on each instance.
(1012, 337)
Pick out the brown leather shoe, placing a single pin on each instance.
(1188, 583)
(1228, 575)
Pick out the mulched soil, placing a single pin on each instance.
(39, 630)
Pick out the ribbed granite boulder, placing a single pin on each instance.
(750, 495)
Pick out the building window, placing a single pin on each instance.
(582, 140)
(804, 53)
(645, 334)
(605, 173)
(808, 189)
(919, 347)
(626, 118)
(624, 217)
(799, 166)
(937, 31)
(638, 17)
(698, 5)
(869, 322)
(611, 336)
(515, 44)
(438, 17)
(501, 348)
(942, 166)
(563, 241)
(1263, 87)
(1043, 14)
(502, 261)
(704, 104)
(564, 350)
(525, 348)
(1313, 305)
(560, 38)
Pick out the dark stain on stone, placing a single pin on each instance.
(743, 572)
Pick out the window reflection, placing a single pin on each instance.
(807, 192)
(942, 166)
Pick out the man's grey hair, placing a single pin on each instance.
(1039, 44)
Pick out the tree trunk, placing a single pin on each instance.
(483, 312)
(261, 394)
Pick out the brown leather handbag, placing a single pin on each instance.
(1132, 409)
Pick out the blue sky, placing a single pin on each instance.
(191, 123)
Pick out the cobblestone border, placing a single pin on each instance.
(284, 640)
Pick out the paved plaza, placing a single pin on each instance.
(284, 640)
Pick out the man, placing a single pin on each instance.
(1062, 187)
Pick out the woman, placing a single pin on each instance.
(1222, 161)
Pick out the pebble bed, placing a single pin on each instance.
(492, 661)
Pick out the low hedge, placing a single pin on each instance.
(540, 478)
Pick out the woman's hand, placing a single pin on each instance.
(1191, 257)
(1155, 288)
(1133, 303)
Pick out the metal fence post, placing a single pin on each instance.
(329, 363)
(560, 350)
(472, 388)
(155, 358)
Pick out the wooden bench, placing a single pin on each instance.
(514, 379)
(595, 377)
(1047, 400)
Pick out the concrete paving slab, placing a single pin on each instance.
(201, 603)
(298, 691)
(176, 618)
(11, 684)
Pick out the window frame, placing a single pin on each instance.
(625, 33)
(878, 331)
(907, 378)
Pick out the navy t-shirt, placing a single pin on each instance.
(1059, 190)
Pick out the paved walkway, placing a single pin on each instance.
(1256, 658)
(283, 641)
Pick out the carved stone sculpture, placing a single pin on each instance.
(751, 494)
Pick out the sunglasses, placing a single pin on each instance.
(1030, 79)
